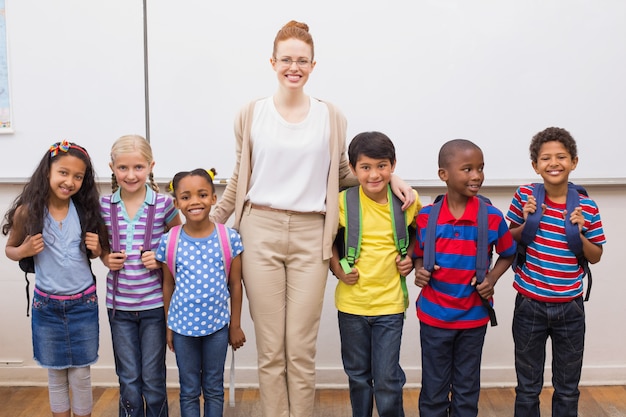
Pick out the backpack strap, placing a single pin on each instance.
(172, 247)
(399, 224)
(400, 236)
(482, 254)
(482, 242)
(431, 235)
(531, 225)
(81, 220)
(115, 247)
(27, 265)
(147, 237)
(572, 234)
(482, 245)
(353, 229)
(227, 254)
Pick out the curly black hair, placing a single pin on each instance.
(552, 134)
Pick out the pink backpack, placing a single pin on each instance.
(172, 247)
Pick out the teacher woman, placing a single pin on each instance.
(290, 164)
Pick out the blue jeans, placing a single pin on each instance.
(450, 365)
(370, 349)
(533, 322)
(200, 363)
(139, 351)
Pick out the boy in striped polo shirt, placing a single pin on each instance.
(453, 319)
(550, 283)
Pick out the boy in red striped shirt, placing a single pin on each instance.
(453, 319)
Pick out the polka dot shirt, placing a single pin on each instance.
(199, 305)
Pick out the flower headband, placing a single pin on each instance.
(64, 146)
(170, 187)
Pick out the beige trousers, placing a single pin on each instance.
(285, 279)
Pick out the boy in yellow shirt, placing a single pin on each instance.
(369, 298)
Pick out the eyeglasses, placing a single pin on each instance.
(287, 62)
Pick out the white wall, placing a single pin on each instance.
(605, 356)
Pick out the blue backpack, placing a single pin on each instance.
(482, 245)
(572, 233)
(349, 242)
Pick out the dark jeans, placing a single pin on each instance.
(370, 349)
(139, 350)
(564, 323)
(200, 363)
(450, 371)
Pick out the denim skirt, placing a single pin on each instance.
(65, 329)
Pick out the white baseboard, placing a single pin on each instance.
(329, 377)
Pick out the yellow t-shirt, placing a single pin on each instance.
(378, 291)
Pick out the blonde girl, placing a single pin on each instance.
(136, 215)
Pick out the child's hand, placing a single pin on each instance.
(351, 278)
(405, 266)
(422, 276)
(149, 259)
(32, 245)
(485, 289)
(236, 337)
(93, 243)
(169, 338)
(531, 206)
(115, 260)
(576, 218)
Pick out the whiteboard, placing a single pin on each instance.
(76, 73)
(423, 72)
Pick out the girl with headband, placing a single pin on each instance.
(56, 219)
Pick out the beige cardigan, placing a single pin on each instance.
(339, 174)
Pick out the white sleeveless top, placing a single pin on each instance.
(290, 161)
